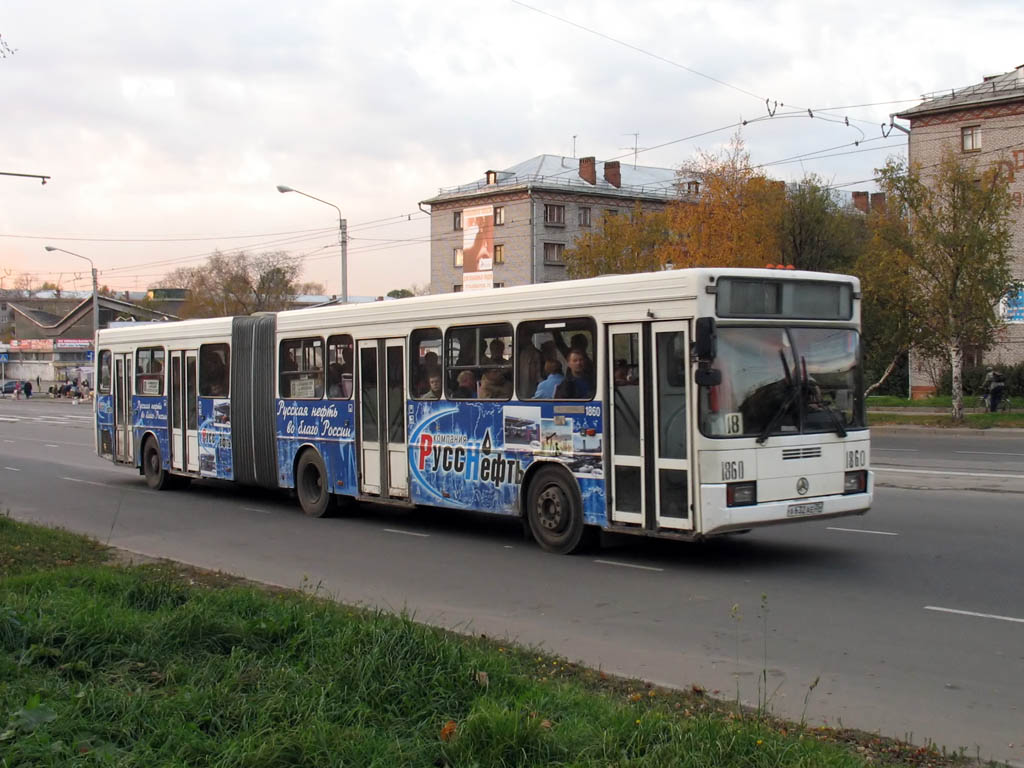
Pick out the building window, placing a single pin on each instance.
(693, 187)
(584, 216)
(554, 214)
(499, 254)
(499, 215)
(970, 138)
(499, 285)
(609, 212)
(457, 288)
(553, 253)
(457, 220)
(457, 257)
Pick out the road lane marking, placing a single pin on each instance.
(630, 565)
(408, 533)
(877, 468)
(862, 530)
(988, 453)
(972, 613)
(254, 509)
(7, 418)
(908, 450)
(13, 469)
(8, 441)
(87, 482)
(52, 445)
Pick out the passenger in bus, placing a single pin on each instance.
(621, 373)
(546, 389)
(434, 386)
(335, 386)
(466, 386)
(578, 384)
(428, 366)
(494, 385)
(531, 368)
(579, 341)
(496, 353)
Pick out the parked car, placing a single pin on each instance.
(8, 386)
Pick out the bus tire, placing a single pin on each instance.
(311, 484)
(554, 511)
(157, 477)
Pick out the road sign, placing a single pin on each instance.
(3, 357)
(90, 356)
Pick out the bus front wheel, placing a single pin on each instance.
(311, 484)
(554, 512)
(157, 477)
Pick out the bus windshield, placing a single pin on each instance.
(784, 380)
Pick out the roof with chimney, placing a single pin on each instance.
(572, 174)
(994, 89)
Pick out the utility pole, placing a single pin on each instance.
(636, 148)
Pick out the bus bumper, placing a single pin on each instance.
(718, 518)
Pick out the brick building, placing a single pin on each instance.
(984, 121)
(511, 227)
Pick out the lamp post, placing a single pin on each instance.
(95, 294)
(342, 237)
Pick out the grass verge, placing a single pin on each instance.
(973, 420)
(158, 665)
(938, 401)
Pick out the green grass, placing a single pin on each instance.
(134, 666)
(937, 401)
(975, 420)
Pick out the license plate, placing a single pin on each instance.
(799, 510)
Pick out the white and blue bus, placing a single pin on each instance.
(686, 403)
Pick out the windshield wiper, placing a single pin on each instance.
(834, 414)
(825, 405)
(785, 405)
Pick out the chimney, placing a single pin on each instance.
(878, 201)
(588, 169)
(612, 174)
(860, 201)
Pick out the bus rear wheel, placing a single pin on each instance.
(311, 484)
(554, 512)
(157, 477)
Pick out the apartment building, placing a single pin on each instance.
(512, 227)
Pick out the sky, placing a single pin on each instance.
(166, 126)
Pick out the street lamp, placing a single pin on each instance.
(342, 237)
(95, 292)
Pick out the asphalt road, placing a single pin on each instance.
(911, 618)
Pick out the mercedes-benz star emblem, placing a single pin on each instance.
(802, 486)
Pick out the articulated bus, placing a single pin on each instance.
(687, 403)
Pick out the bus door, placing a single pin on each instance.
(381, 442)
(650, 479)
(184, 416)
(124, 448)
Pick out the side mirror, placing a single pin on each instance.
(708, 377)
(706, 345)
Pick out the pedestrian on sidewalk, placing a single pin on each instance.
(994, 384)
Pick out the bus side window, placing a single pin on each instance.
(104, 372)
(425, 363)
(339, 366)
(557, 359)
(301, 364)
(149, 371)
(478, 362)
(214, 370)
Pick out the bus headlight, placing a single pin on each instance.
(740, 494)
(855, 482)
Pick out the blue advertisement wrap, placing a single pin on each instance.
(105, 423)
(327, 425)
(150, 414)
(473, 455)
(215, 458)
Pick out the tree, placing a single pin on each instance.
(951, 238)
(818, 232)
(623, 244)
(5, 49)
(400, 293)
(237, 284)
(735, 219)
